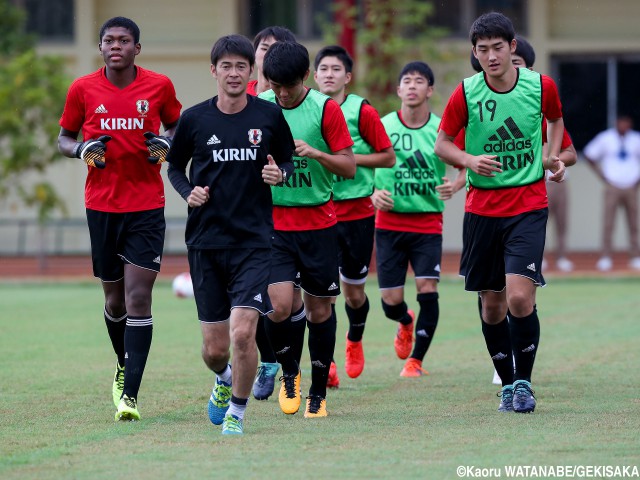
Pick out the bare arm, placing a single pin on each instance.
(383, 159)
(340, 162)
(67, 141)
(555, 131)
(485, 165)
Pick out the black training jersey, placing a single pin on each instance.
(228, 153)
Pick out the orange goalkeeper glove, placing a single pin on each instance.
(158, 147)
(92, 151)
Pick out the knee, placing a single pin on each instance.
(355, 299)
(520, 304)
(244, 339)
(139, 301)
(214, 356)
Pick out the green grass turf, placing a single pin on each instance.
(56, 412)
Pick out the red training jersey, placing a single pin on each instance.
(95, 106)
(251, 87)
(336, 135)
(503, 202)
(373, 132)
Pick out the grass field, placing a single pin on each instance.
(57, 413)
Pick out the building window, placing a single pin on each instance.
(458, 15)
(50, 20)
(302, 17)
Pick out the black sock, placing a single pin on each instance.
(239, 401)
(426, 323)
(298, 322)
(322, 343)
(116, 328)
(279, 336)
(498, 340)
(357, 319)
(267, 354)
(137, 343)
(397, 313)
(525, 337)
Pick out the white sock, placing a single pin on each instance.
(236, 410)
(225, 376)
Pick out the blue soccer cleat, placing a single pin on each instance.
(219, 402)
(506, 401)
(523, 399)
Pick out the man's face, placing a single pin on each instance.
(232, 73)
(331, 76)
(517, 61)
(118, 48)
(263, 46)
(494, 55)
(414, 89)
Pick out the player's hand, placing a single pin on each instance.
(92, 151)
(303, 149)
(382, 200)
(271, 173)
(557, 167)
(485, 165)
(198, 196)
(445, 190)
(158, 147)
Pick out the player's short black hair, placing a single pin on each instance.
(334, 51)
(233, 45)
(123, 22)
(526, 51)
(420, 68)
(280, 34)
(492, 25)
(286, 63)
(475, 64)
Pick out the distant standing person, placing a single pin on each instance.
(119, 109)
(615, 157)
(239, 146)
(352, 197)
(410, 200)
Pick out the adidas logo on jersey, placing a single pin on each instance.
(333, 286)
(101, 109)
(213, 140)
(258, 298)
(157, 259)
(508, 138)
(531, 267)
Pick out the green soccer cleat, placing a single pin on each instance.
(127, 410)
(118, 384)
(232, 425)
(219, 402)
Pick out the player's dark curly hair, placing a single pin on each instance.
(123, 22)
(233, 45)
(279, 34)
(492, 25)
(420, 68)
(334, 51)
(286, 63)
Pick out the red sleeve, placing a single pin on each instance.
(456, 115)
(334, 127)
(372, 130)
(551, 105)
(251, 87)
(171, 106)
(459, 141)
(73, 114)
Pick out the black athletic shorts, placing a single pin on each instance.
(355, 246)
(226, 279)
(311, 253)
(497, 246)
(395, 250)
(118, 238)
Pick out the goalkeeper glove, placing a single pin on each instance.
(92, 151)
(158, 147)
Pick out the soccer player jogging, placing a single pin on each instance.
(268, 368)
(119, 109)
(238, 146)
(354, 209)
(305, 223)
(410, 201)
(506, 211)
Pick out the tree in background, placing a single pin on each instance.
(32, 89)
(387, 36)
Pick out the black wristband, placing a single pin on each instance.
(76, 149)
